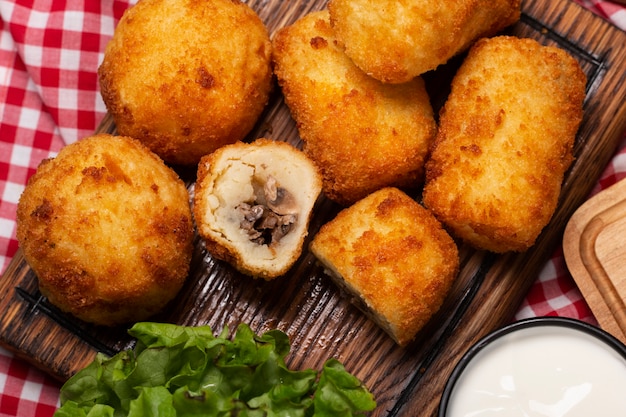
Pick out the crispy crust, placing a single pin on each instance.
(505, 140)
(236, 174)
(186, 77)
(393, 256)
(107, 228)
(362, 134)
(394, 41)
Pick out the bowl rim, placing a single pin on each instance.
(575, 324)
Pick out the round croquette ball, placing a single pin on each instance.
(106, 226)
(186, 77)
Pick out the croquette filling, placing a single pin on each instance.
(271, 216)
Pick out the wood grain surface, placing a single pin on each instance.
(305, 303)
(594, 246)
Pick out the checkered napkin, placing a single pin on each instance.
(49, 54)
(613, 12)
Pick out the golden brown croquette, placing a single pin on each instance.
(504, 143)
(186, 76)
(106, 226)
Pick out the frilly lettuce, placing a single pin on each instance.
(181, 371)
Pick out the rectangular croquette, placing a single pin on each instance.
(392, 255)
(504, 142)
(363, 134)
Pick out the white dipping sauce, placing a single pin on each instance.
(542, 371)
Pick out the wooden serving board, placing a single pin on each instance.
(306, 304)
(594, 245)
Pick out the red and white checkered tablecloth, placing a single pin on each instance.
(49, 54)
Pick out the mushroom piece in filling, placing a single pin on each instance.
(271, 216)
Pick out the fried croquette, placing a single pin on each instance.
(362, 134)
(394, 41)
(186, 77)
(106, 226)
(393, 256)
(252, 205)
(504, 143)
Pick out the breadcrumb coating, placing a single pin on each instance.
(106, 226)
(395, 41)
(504, 143)
(393, 256)
(362, 134)
(186, 77)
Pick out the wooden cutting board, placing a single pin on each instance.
(594, 245)
(306, 304)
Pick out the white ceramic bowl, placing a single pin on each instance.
(540, 367)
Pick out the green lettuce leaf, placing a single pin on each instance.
(339, 393)
(185, 371)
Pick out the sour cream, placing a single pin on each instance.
(541, 368)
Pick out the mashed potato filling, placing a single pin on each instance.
(253, 211)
